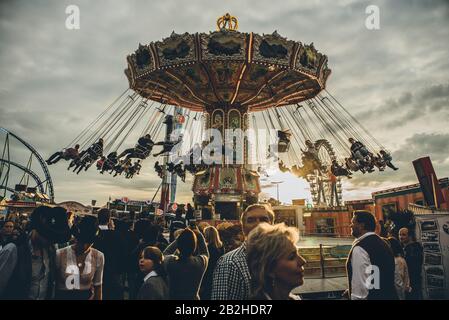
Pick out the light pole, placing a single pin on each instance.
(277, 187)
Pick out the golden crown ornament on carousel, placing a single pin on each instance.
(227, 22)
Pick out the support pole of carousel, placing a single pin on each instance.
(177, 125)
(165, 189)
(232, 181)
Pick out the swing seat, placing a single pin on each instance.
(283, 146)
(284, 141)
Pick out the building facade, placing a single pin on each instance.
(291, 215)
(336, 221)
(398, 199)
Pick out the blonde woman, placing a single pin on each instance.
(216, 250)
(275, 265)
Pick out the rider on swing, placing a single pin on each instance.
(167, 146)
(66, 154)
(88, 157)
(338, 170)
(360, 155)
(159, 169)
(110, 162)
(180, 171)
(141, 150)
(134, 169)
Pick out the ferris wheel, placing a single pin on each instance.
(22, 169)
(325, 188)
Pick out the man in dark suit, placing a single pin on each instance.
(370, 265)
(414, 257)
(108, 242)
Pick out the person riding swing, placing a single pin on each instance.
(141, 150)
(110, 162)
(167, 146)
(100, 163)
(88, 157)
(134, 169)
(387, 158)
(66, 154)
(180, 171)
(159, 169)
(338, 170)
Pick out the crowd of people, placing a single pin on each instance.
(55, 255)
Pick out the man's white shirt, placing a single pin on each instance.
(360, 263)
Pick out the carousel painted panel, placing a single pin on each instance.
(228, 180)
(203, 182)
(194, 76)
(223, 45)
(224, 77)
(255, 77)
(251, 181)
(273, 49)
(309, 60)
(234, 119)
(175, 50)
(217, 121)
(141, 62)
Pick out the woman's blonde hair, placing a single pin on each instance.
(212, 237)
(203, 225)
(266, 245)
(177, 233)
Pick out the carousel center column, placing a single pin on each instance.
(232, 184)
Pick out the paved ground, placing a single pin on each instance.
(322, 289)
(320, 285)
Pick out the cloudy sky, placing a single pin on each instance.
(395, 80)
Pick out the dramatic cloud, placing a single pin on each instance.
(436, 145)
(409, 106)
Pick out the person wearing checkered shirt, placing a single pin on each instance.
(231, 279)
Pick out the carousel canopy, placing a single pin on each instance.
(227, 67)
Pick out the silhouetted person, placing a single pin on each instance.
(414, 257)
(66, 154)
(109, 242)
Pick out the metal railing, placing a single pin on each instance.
(334, 258)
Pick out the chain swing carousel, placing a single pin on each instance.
(228, 80)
